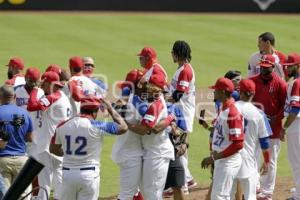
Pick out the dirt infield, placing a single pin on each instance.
(282, 191)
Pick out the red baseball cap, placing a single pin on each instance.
(292, 59)
(147, 52)
(223, 84)
(247, 85)
(52, 77)
(76, 62)
(54, 68)
(16, 63)
(90, 103)
(33, 73)
(158, 80)
(132, 78)
(267, 61)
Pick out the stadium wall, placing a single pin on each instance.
(263, 6)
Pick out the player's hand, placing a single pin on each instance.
(175, 132)
(206, 162)
(203, 123)
(264, 168)
(181, 150)
(282, 135)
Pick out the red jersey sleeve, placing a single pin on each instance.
(295, 94)
(75, 90)
(235, 124)
(184, 79)
(35, 104)
(151, 116)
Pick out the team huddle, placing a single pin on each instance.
(152, 119)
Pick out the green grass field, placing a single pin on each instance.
(218, 42)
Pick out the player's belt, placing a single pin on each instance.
(84, 168)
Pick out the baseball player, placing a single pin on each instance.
(79, 141)
(158, 149)
(257, 131)
(266, 43)
(79, 85)
(14, 73)
(32, 78)
(182, 90)
(54, 108)
(178, 137)
(148, 60)
(127, 150)
(227, 142)
(291, 126)
(270, 95)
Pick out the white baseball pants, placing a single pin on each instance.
(80, 184)
(293, 140)
(51, 175)
(155, 171)
(130, 178)
(267, 182)
(225, 174)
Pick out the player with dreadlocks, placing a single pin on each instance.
(182, 90)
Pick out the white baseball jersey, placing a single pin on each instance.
(154, 69)
(21, 98)
(55, 108)
(254, 128)
(129, 145)
(81, 140)
(293, 133)
(85, 86)
(16, 81)
(293, 96)
(184, 81)
(157, 145)
(228, 127)
(254, 68)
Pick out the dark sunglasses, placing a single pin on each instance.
(88, 65)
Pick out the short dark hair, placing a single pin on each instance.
(76, 69)
(268, 36)
(88, 111)
(182, 50)
(232, 74)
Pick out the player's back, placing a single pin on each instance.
(254, 128)
(81, 142)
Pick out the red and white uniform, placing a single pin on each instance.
(80, 86)
(21, 99)
(254, 128)
(293, 133)
(228, 127)
(54, 108)
(16, 81)
(154, 69)
(158, 151)
(127, 152)
(270, 97)
(184, 81)
(254, 68)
